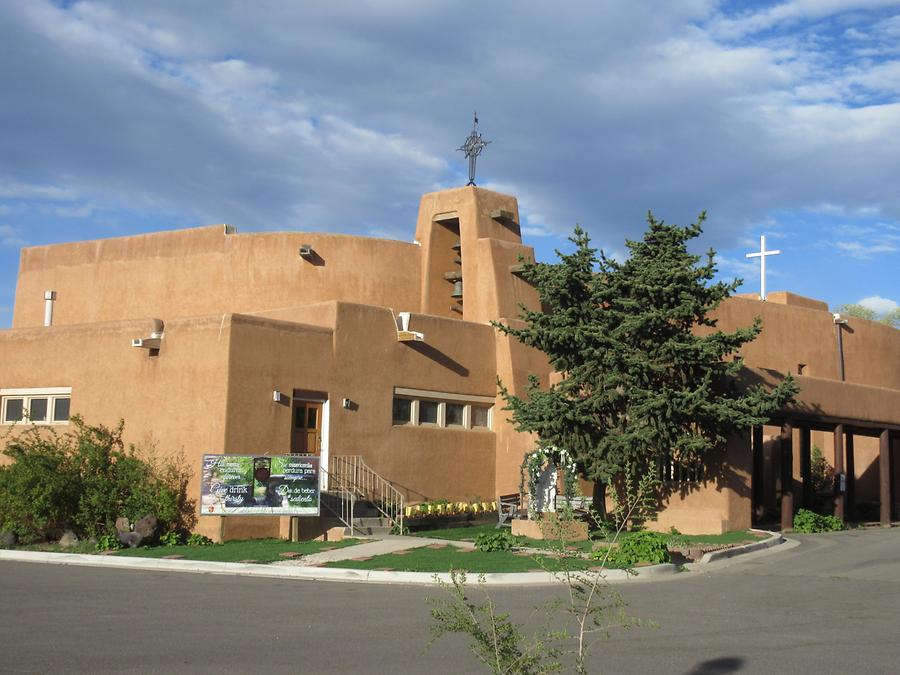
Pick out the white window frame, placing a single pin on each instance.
(490, 418)
(413, 412)
(26, 394)
(442, 399)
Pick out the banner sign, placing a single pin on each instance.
(263, 485)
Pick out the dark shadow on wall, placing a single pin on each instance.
(409, 494)
(720, 666)
(717, 472)
(439, 357)
(313, 258)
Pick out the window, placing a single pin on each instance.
(455, 414)
(35, 406)
(37, 410)
(418, 407)
(300, 417)
(402, 410)
(428, 412)
(480, 416)
(61, 409)
(14, 409)
(672, 470)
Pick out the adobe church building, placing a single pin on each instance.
(209, 341)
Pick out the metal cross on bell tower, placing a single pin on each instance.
(761, 254)
(472, 147)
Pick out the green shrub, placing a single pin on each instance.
(498, 540)
(171, 538)
(647, 547)
(108, 542)
(40, 488)
(820, 471)
(85, 480)
(810, 522)
(199, 540)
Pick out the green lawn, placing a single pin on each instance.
(456, 533)
(53, 547)
(449, 557)
(469, 534)
(258, 550)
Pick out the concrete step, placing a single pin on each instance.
(368, 531)
(371, 521)
(361, 507)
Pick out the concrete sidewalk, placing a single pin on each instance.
(388, 544)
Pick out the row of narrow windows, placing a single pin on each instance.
(436, 413)
(36, 409)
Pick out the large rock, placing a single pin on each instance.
(146, 527)
(68, 540)
(7, 539)
(129, 539)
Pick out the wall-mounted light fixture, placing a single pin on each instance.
(153, 341)
(404, 334)
(306, 251)
(278, 397)
(346, 403)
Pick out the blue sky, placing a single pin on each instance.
(778, 118)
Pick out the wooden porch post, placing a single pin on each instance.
(787, 476)
(884, 476)
(851, 478)
(758, 472)
(806, 467)
(838, 469)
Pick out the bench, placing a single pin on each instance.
(508, 507)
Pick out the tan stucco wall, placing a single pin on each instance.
(171, 403)
(489, 289)
(245, 315)
(362, 360)
(207, 271)
(720, 503)
(794, 334)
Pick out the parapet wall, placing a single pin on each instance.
(211, 270)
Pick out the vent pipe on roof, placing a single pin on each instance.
(49, 299)
(158, 328)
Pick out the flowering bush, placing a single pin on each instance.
(448, 508)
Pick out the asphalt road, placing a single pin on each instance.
(830, 605)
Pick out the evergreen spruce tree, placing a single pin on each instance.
(645, 373)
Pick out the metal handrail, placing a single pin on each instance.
(345, 515)
(354, 479)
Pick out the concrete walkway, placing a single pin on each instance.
(389, 544)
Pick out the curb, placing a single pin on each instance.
(775, 539)
(371, 576)
(314, 573)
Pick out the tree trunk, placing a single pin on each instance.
(599, 496)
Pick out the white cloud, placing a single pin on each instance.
(878, 304)
(17, 190)
(863, 251)
(789, 12)
(741, 267)
(323, 117)
(10, 236)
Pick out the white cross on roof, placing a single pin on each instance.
(761, 254)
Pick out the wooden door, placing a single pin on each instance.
(306, 434)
